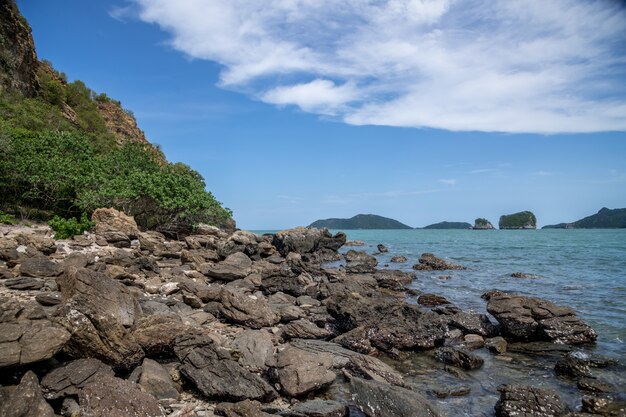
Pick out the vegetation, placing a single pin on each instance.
(481, 222)
(58, 159)
(6, 218)
(361, 221)
(521, 220)
(66, 228)
(449, 225)
(603, 219)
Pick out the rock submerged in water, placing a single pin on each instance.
(429, 262)
(521, 400)
(529, 319)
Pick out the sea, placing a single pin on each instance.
(581, 268)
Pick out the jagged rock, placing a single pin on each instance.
(520, 400)
(304, 329)
(388, 323)
(156, 380)
(287, 282)
(469, 322)
(96, 311)
(216, 374)
(496, 344)
(108, 396)
(398, 259)
(378, 399)
(307, 240)
(24, 341)
(382, 248)
(360, 262)
(39, 267)
(318, 408)
(300, 372)
(110, 220)
(255, 349)
(528, 318)
(24, 283)
(604, 405)
(24, 400)
(574, 364)
(429, 262)
(524, 275)
(473, 342)
(432, 300)
(70, 378)
(244, 408)
(354, 243)
(235, 266)
(594, 385)
(48, 298)
(250, 310)
(459, 358)
(392, 279)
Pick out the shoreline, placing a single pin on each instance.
(265, 313)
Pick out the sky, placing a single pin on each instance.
(418, 110)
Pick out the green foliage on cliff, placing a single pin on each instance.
(603, 219)
(521, 220)
(65, 174)
(360, 221)
(481, 222)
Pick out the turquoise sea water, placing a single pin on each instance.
(584, 269)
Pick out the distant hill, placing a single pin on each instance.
(521, 220)
(449, 225)
(603, 219)
(360, 221)
(482, 224)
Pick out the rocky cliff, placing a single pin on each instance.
(482, 224)
(18, 60)
(521, 220)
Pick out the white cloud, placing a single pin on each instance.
(486, 65)
(448, 181)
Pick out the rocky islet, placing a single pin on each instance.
(232, 323)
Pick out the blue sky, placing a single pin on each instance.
(418, 110)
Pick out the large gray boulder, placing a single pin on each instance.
(97, 311)
(528, 319)
(378, 399)
(307, 240)
(521, 400)
(39, 267)
(216, 374)
(235, 266)
(360, 262)
(255, 349)
(24, 341)
(250, 310)
(24, 400)
(156, 380)
(300, 372)
(70, 378)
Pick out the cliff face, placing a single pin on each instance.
(482, 224)
(120, 123)
(18, 60)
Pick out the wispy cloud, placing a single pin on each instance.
(448, 181)
(484, 65)
(483, 171)
(542, 173)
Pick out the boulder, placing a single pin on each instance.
(300, 372)
(214, 372)
(24, 283)
(70, 378)
(255, 350)
(108, 396)
(431, 300)
(359, 262)
(527, 319)
(235, 266)
(39, 267)
(156, 334)
(398, 259)
(393, 279)
(97, 310)
(496, 344)
(245, 408)
(110, 220)
(307, 240)
(318, 408)
(24, 341)
(24, 400)
(377, 399)
(429, 262)
(156, 381)
(382, 248)
(604, 405)
(460, 358)
(250, 310)
(521, 400)
(305, 329)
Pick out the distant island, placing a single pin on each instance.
(482, 224)
(449, 225)
(521, 220)
(360, 221)
(603, 219)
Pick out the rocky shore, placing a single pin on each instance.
(121, 322)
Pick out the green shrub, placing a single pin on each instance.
(6, 218)
(66, 228)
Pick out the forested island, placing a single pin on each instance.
(604, 219)
(360, 221)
